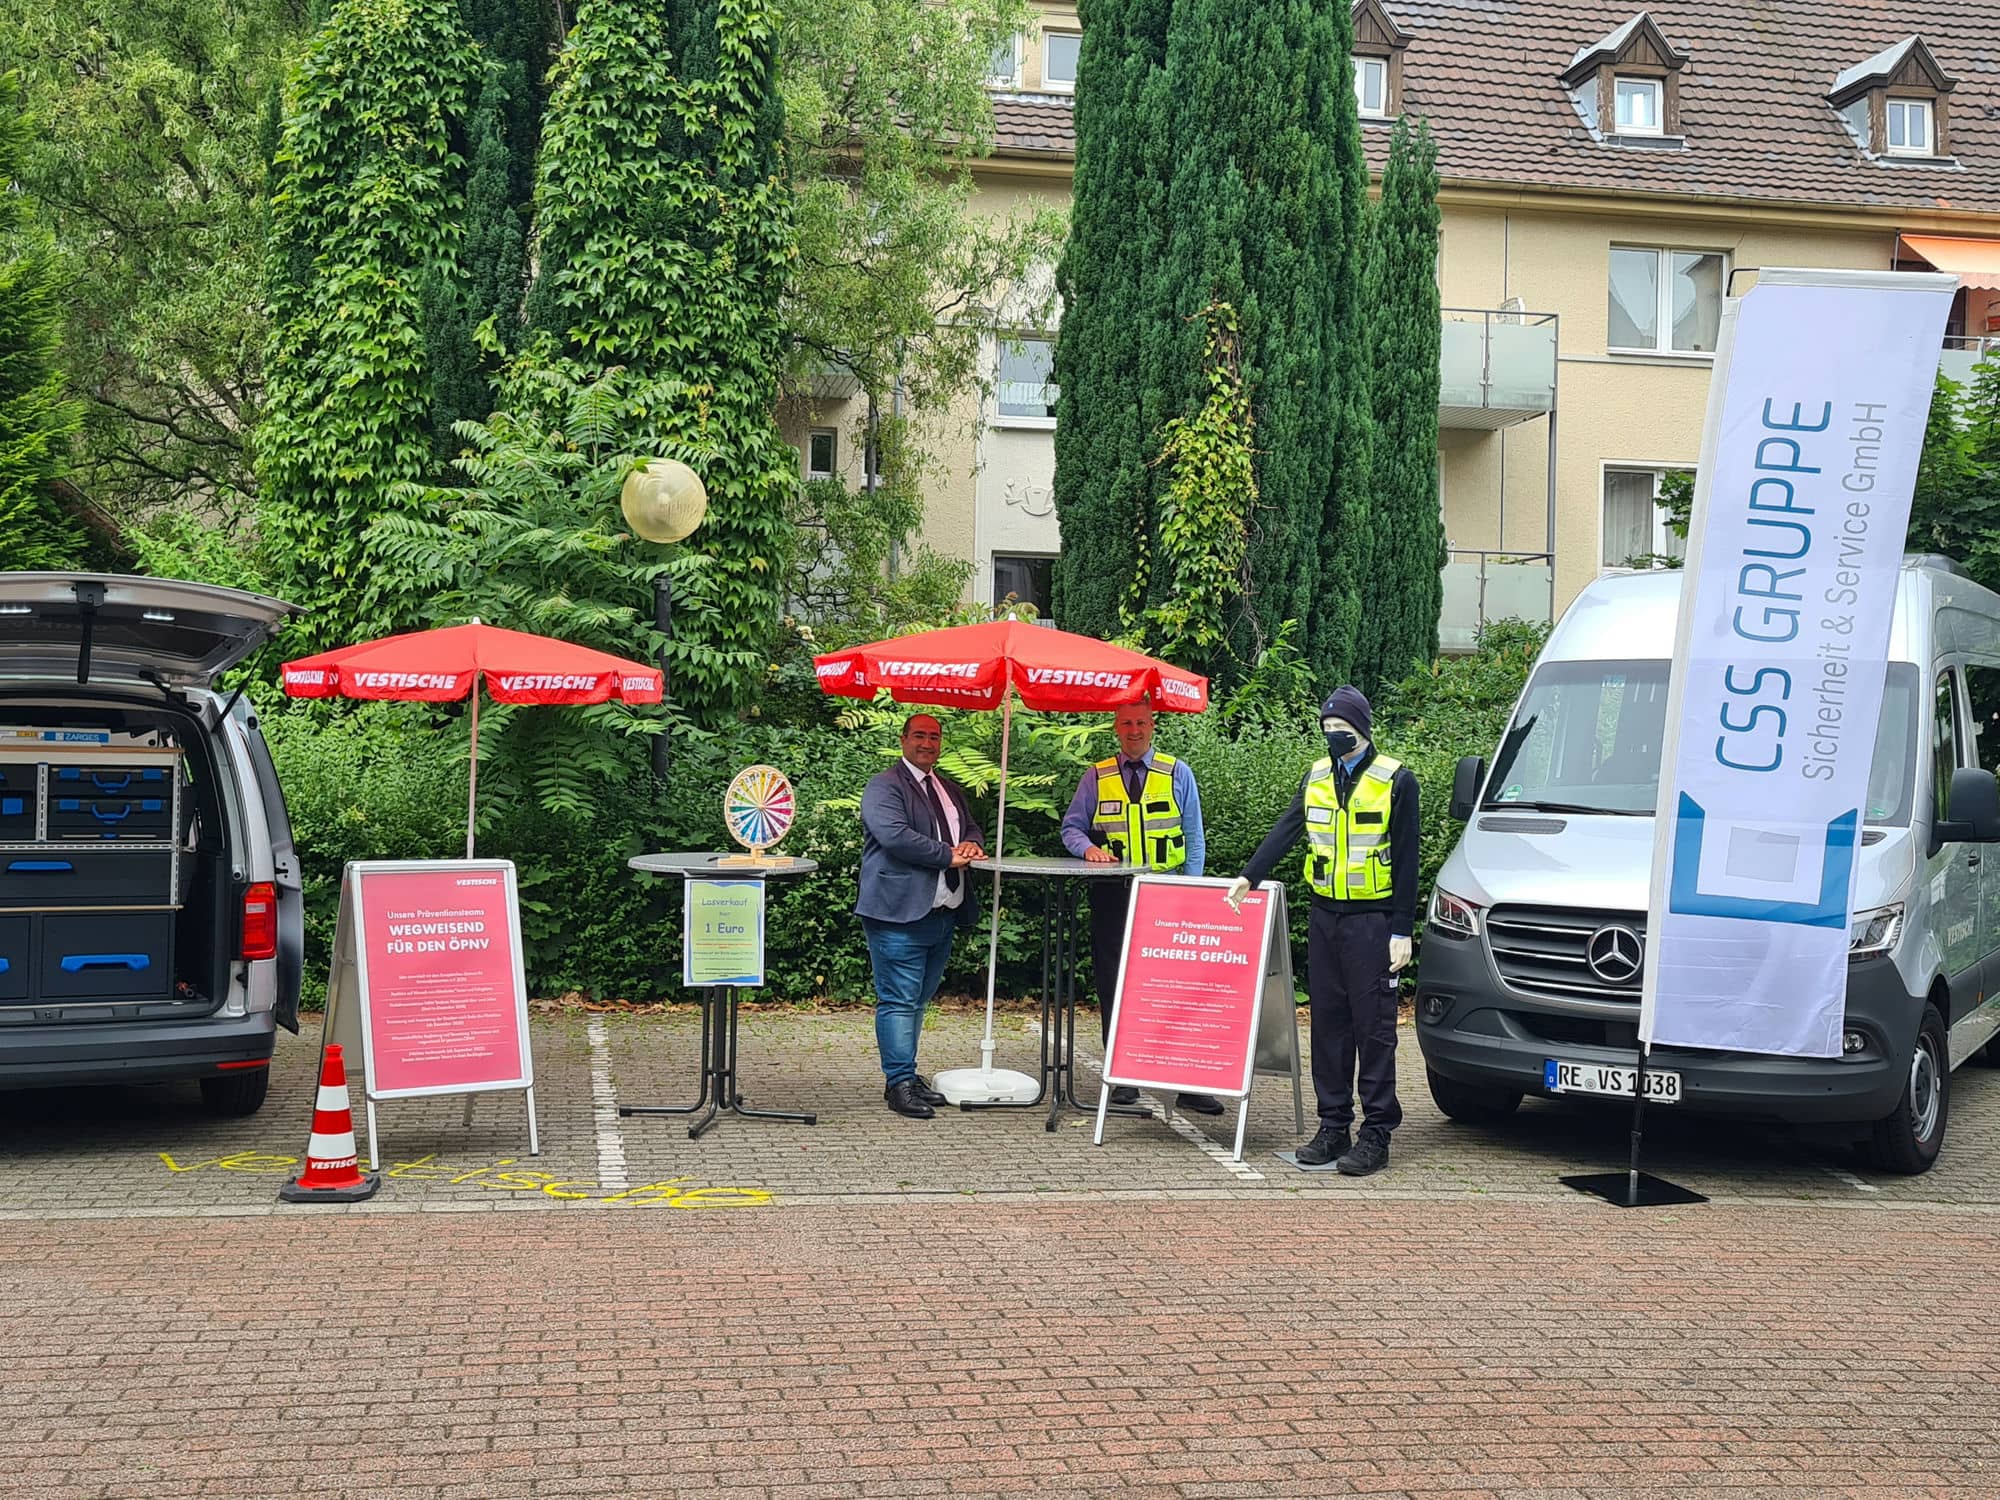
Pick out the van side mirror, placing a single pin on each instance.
(1975, 809)
(1465, 783)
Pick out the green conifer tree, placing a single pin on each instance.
(664, 225)
(370, 208)
(1404, 534)
(35, 420)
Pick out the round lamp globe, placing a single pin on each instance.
(663, 502)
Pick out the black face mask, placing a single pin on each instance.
(1341, 743)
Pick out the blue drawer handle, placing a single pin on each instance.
(76, 963)
(13, 807)
(4, 966)
(40, 867)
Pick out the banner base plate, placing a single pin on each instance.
(1615, 1188)
(979, 1086)
(1291, 1159)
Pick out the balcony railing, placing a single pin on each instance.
(1480, 587)
(1496, 367)
(1963, 351)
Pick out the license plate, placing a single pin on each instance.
(1662, 1087)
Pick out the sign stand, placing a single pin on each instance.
(1190, 993)
(1278, 1014)
(426, 985)
(1633, 1188)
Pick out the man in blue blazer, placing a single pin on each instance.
(918, 836)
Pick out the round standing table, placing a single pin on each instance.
(718, 1002)
(1058, 876)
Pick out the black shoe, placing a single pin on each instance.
(1199, 1104)
(1331, 1142)
(1370, 1154)
(905, 1100)
(1124, 1093)
(926, 1093)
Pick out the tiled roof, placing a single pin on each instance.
(1753, 105)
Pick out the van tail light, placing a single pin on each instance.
(260, 921)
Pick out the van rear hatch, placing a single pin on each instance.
(89, 627)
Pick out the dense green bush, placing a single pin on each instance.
(388, 781)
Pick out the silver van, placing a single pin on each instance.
(1530, 973)
(151, 923)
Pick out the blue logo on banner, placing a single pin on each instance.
(1829, 911)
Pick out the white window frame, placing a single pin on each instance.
(1660, 535)
(1362, 63)
(1013, 79)
(833, 435)
(1928, 113)
(1059, 86)
(1658, 88)
(1000, 347)
(1663, 311)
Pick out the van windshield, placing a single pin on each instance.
(1587, 739)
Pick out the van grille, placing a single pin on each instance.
(1541, 952)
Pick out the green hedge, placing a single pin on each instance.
(388, 781)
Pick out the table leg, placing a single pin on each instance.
(1069, 1088)
(735, 1104)
(968, 1105)
(707, 1021)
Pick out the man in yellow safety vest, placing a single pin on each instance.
(1358, 811)
(1140, 808)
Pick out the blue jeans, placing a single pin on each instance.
(908, 959)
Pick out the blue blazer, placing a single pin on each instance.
(903, 849)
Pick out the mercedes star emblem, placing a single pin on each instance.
(1615, 953)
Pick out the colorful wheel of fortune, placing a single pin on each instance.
(759, 807)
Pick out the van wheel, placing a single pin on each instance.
(1468, 1103)
(1907, 1140)
(238, 1094)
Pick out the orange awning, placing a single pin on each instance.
(1973, 262)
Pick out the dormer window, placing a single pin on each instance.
(1378, 62)
(1639, 103)
(1897, 104)
(1908, 123)
(1627, 85)
(1371, 86)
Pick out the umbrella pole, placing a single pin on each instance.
(999, 852)
(472, 780)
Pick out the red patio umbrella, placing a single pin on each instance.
(988, 666)
(443, 666)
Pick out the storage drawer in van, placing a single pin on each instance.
(17, 815)
(107, 956)
(51, 877)
(109, 779)
(99, 817)
(16, 939)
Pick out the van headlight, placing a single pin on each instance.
(1874, 932)
(1452, 915)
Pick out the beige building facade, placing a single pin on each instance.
(1606, 178)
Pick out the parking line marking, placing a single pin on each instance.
(604, 1110)
(1850, 1179)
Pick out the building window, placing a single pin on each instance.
(1909, 127)
(1027, 385)
(1059, 50)
(822, 453)
(1664, 301)
(1371, 86)
(1023, 578)
(1004, 71)
(1635, 527)
(1639, 106)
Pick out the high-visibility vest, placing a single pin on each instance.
(1147, 832)
(1347, 854)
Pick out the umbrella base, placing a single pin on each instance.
(986, 1086)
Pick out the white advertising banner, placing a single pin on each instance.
(1816, 415)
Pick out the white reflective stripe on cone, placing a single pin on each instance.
(322, 1147)
(332, 1096)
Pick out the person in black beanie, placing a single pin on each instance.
(1358, 811)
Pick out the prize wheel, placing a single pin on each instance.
(758, 806)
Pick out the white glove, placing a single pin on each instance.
(1238, 889)
(1399, 953)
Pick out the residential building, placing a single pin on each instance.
(1606, 178)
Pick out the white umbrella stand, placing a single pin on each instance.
(987, 1084)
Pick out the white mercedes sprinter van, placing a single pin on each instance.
(1532, 953)
(151, 924)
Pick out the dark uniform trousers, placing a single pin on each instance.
(1109, 902)
(1353, 1014)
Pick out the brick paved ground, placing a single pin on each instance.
(972, 1305)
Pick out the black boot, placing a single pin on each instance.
(1370, 1154)
(1331, 1142)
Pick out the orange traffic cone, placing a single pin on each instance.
(333, 1173)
